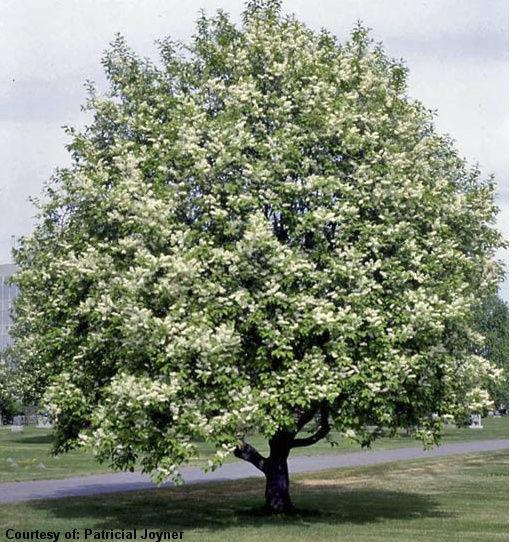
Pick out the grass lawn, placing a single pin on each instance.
(26, 456)
(460, 498)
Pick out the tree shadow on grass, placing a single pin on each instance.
(229, 504)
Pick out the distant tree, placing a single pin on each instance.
(9, 402)
(491, 321)
(262, 233)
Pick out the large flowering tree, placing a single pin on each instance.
(261, 233)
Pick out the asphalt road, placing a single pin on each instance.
(96, 484)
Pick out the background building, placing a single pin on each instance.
(7, 294)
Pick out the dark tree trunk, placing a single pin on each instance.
(277, 486)
(275, 466)
(277, 474)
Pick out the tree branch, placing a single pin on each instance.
(302, 418)
(323, 430)
(249, 453)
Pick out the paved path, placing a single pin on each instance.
(125, 481)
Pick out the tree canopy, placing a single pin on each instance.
(491, 321)
(258, 232)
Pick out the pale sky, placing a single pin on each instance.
(456, 50)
